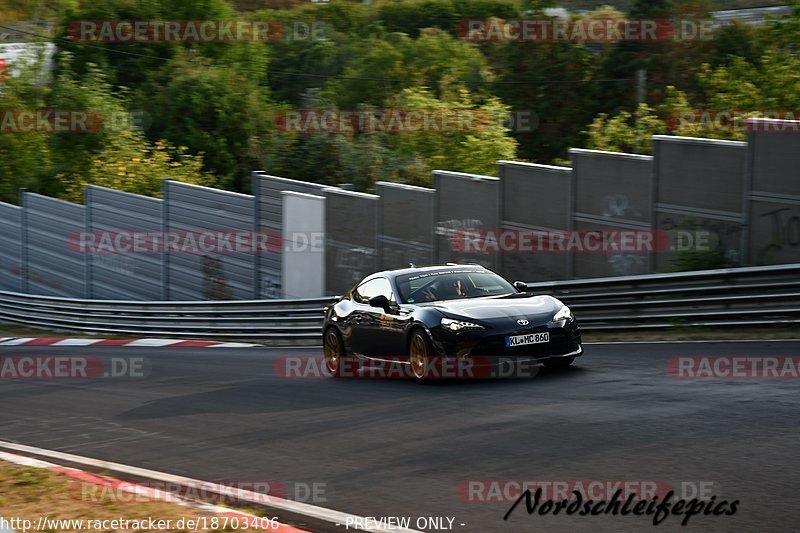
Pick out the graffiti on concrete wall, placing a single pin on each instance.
(784, 233)
(215, 285)
(626, 264)
(619, 206)
(449, 228)
(723, 237)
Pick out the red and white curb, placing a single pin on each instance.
(151, 343)
(148, 492)
(331, 516)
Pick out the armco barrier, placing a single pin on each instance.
(723, 297)
(726, 297)
(278, 321)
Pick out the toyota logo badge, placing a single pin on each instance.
(523, 322)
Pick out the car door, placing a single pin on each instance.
(356, 319)
(383, 329)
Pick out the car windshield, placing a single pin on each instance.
(438, 285)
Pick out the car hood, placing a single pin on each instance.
(536, 309)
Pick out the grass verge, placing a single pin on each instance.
(31, 493)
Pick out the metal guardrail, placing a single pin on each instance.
(724, 297)
(728, 297)
(259, 320)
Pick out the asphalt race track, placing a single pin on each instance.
(387, 447)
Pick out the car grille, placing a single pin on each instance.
(562, 341)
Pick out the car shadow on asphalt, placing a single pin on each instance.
(298, 394)
(544, 374)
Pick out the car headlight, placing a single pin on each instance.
(459, 325)
(563, 314)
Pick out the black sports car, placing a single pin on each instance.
(446, 313)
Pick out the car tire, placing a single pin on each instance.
(420, 350)
(333, 352)
(560, 362)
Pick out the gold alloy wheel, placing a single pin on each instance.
(419, 356)
(332, 351)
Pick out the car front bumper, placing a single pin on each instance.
(490, 344)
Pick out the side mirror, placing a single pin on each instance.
(521, 286)
(380, 301)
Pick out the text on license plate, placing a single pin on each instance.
(530, 338)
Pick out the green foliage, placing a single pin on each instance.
(692, 260)
(73, 152)
(548, 80)
(213, 110)
(625, 132)
(25, 158)
(403, 156)
(116, 155)
(434, 58)
(412, 15)
(130, 163)
(474, 150)
(217, 100)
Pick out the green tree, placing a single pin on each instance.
(223, 113)
(475, 148)
(398, 62)
(549, 80)
(93, 93)
(410, 16)
(25, 157)
(130, 163)
(624, 132)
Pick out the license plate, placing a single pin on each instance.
(530, 338)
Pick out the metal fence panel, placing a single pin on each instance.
(10, 251)
(406, 225)
(351, 246)
(304, 245)
(613, 191)
(465, 202)
(774, 200)
(774, 231)
(690, 231)
(700, 174)
(609, 261)
(269, 218)
(613, 186)
(208, 276)
(54, 268)
(535, 197)
(124, 276)
(775, 160)
(701, 190)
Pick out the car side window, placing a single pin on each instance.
(372, 288)
(358, 294)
